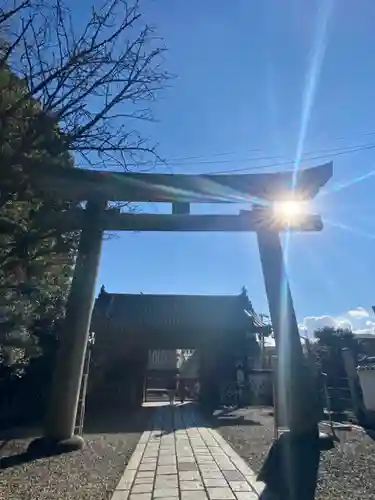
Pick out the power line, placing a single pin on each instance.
(316, 155)
(322, 153)
(221, 153)
(292, 162)
(189, 160)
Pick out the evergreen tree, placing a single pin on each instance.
(35, 264)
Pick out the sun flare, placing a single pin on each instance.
(288, 210)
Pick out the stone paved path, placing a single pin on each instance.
(182, 459)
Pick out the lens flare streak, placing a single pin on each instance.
(312, 79)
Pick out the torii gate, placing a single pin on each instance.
(295, 397)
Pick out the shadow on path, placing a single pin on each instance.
(123, 421)
(234, 420)
(21, 458)
(105, 423)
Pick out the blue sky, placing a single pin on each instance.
(281, 78)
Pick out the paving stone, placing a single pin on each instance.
(233, 475)
(144, 480)
(189, 475)
(140, 496)
(206, 469)
(226, 465)
(134, 462)
(212, 474)
(148, 473)
(148, 467)
(201, 456)
(166, 469)
(184, 458)
(215, 482)
(142, 488)
(258, 486)
(240, 486)
(220, 494)
(193, 495)
(170, 460)
(190, 466)
(246, 495)
(219, 453)
(191, 485)
(120, 495)
(165, 492)
(208, 464)
(166, 482)
(126, 480)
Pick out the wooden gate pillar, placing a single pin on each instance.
(61, 417)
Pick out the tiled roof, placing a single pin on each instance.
(194, 311)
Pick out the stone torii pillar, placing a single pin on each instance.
(61, 417)
(291, 468)
(295, 409)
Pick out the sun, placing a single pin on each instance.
(289, 211)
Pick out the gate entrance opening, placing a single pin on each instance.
(193, 337)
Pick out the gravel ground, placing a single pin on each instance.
(347, 472)
(92, 473)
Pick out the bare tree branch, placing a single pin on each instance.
(92, 81)
(7, 14)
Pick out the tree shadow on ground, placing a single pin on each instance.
(231, 420)
(21, 458)
(120, 422)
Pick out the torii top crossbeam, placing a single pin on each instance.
(82, 184)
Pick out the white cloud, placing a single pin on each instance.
(356, 319)
(312, 323)
(358, 312)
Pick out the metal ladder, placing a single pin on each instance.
(81, 408)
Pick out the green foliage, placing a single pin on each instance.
(35, 263)
(335, 338)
